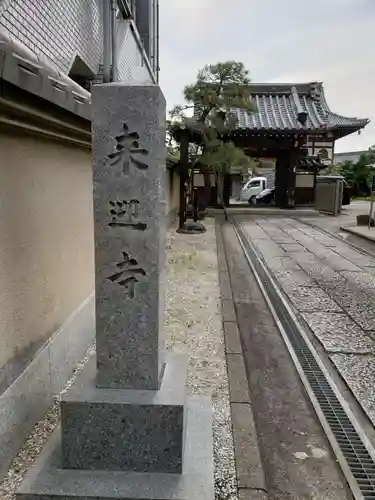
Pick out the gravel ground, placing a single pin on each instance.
(193, 327)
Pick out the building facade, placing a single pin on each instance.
(298, 108)
(353, 156)
(69, 34)
(294, 125)
(51, 52)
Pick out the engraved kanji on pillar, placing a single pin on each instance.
(127, 274)
(128, 152)
(125, 213)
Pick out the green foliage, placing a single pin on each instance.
(330, 170)
(173, 151)
(359, 174)
(219, 88)
(224, 156)
(217, 91)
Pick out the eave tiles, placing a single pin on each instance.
(279, 105)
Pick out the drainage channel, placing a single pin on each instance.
(353, 450)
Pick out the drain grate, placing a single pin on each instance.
(355, 453)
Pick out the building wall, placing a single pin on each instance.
(131, 65)
(46, 242)
(46, 239)
(350, 156)
(67, 28)
(47, 318)
(46, 277)
(318, 145)
(172, 194)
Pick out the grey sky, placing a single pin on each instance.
(279, 41)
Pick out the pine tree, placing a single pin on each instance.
(219, 89)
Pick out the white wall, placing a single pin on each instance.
(46, 239)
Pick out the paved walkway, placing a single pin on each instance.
(362, 231)
(332, 287)
(295, 455)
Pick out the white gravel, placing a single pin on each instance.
(192, 326)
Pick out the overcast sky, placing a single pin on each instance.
(331, 41)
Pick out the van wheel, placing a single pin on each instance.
(252, 200)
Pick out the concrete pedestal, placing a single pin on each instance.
(48, 481)
(123, 429)
(127, 444)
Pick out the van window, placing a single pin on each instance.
(254, 183)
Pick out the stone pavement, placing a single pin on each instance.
(343, 223)
(295, 456)
(332, 288)
(362, 231)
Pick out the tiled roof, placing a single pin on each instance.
(310, 162)
(280, 105)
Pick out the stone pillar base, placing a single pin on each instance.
(127, 444)
(48, 481)
(123, 429)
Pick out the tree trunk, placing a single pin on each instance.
(220, 192)
(205, 171)
(184, 165)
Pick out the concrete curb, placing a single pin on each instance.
(249, 210)
(337, 236)
(249, 469)
(356, 233)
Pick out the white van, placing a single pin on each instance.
(252, 188)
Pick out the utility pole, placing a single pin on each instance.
(184, 167)
(110, 49)
(114, 40)
(106, 41)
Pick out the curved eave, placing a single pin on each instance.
(336, 122)
(272, 131)
(341, 126)
(340, 121)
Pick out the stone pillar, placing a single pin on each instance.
(130, 221)
(281, 180)
(291, 184)
(285, 180)
(128, 432)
